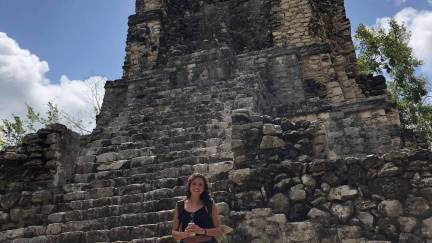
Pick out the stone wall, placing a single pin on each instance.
(280, 192)
(32, 174)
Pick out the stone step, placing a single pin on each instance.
(136, 233)
(125, 181)
(112, 222)
(145, 169)
(139, 172)
(118, 201)
(164, 239)
(220, 185)
(149, 193)
(149, 207)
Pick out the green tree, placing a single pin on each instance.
(386, 51)
(12, 132)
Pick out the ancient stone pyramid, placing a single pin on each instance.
(261, 96)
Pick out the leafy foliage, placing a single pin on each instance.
(386, 51)
(12, 132)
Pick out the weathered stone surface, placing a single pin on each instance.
(9, 200)
(390, 208)
(271, 129)
(116, 165)
(271, 142)
(221, 167)
(342, 212)
(426, 228)
(41, 197)
(239, 176)
(284, 185)
(297, 193)
(223, 208)
(308, 181)
(315, 213)
(407, 224)
(302, 231)
(3, 217)
(366, 218)
(389, 169)
(279, 203)
(416, 206)
(342, 193)
(107, 157)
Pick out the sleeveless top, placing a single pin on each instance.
(201, 218)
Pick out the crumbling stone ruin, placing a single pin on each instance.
(261, 96)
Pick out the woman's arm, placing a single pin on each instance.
(216, 230)
(178, 235)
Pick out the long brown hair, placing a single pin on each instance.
(205, 195)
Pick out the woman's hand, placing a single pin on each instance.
(186, 234)
(193, 228)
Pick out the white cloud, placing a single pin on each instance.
(23, 81)
(419, 22)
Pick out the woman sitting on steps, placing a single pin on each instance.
(196, 219)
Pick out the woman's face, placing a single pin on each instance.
(197, 186)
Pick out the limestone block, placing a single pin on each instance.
(54, 229)
(201, 168)
(325, 187)
(300, 231)
(239, 176)
(220, 167)
(16, 214)
(407, 224)
(270, 142)
(37, 230)
(237, 144)
(416, 206)
(116, 165)
(366, 218)
(14, 233)
(390, 208)
(342, 212)
(128, 154)
(107, 157)
(4, 217)
(223, 208)
(53, 138)
(279, 203)
(9, 200)
(74, 187)
(308, 181)
(411, 238)
(277, 218)
(143, 160)
(426, 228)
(73, 196)
(315, 213)
(389, 169)
(350, 232)
(41, 197)
(271, 129)
(283, 185)
(297, 193)
(342, 193)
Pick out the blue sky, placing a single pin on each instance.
(78, 38)
(51, 49)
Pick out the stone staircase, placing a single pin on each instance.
(133, 172)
